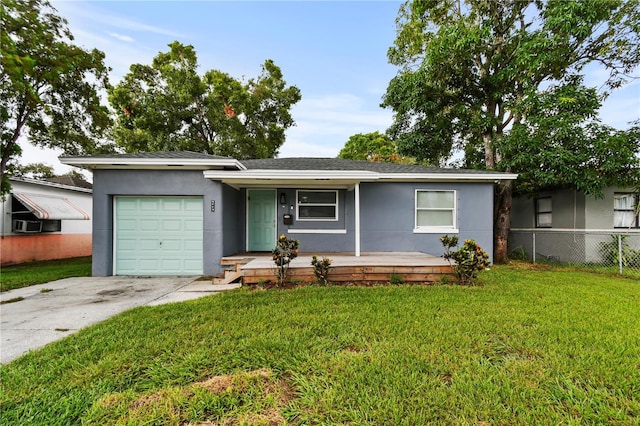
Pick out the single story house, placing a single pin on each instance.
(569, 226)
(180, 213)
(44, 220)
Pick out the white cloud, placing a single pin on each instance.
(121, 37)
(325, 123)
(86, 12)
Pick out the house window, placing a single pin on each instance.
(625, 212)
(51, 225)
(317, 205)
(543, 212)
(435, 211)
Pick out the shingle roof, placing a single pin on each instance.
(71, 181)
(341, 164)
(172, 155)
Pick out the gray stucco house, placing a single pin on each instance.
(179, 213)
(569, 226)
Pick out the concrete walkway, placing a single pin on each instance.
(34, 316)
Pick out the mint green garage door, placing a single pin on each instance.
(158, 235)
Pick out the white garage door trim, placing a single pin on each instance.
(174, 239)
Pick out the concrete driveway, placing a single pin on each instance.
(43, 313)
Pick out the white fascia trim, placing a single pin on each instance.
(267, 174)
(447, 177)
(354, 176)
(121, 163)
(316, 231)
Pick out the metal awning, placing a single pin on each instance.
(48, 207)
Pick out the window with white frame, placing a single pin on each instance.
(435, 210)
(317, 204)
(625, 210)
(544, 213)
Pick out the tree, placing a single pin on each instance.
(468, 70)
(38, 171)
(167, 106)
(561, 144)
(369, 147)
(48, 86)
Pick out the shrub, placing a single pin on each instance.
(469, 259)
(321, 269)
(285, 251)
(611, 254)
(396, 279)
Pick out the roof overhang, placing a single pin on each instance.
(91, 163)
(49, 207)
(339, 178)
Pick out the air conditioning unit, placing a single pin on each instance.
(27, 226)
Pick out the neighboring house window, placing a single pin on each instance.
(51, 225)
(625, 214)
(317, 205)
(543, 212)
(435, 211)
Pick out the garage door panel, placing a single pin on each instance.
(159, 235)
(172, 205)
(172, 225)
(149, 204)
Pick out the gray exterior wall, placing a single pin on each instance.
(580, 224)
(110, 183)
(233, 218)
(388, 216)
(329, 243)
(387, 219)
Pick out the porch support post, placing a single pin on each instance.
(357, 218)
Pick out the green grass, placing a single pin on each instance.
(526, 347)
(26, 274)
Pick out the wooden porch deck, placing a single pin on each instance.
(253, 268)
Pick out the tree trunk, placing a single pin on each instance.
(502, 220)
(489, 157)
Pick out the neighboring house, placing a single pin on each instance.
(570, 226)
(179, 213)
(43, 220)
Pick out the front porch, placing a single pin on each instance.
(253, 268)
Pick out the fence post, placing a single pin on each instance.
(620, 252)
(533, 234)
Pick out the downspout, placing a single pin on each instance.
(357, 218)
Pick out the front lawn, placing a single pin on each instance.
(527, 347)
(27, 274)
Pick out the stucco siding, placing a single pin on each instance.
(342, 241)
(233, 220)
(388, 216)
(110, 183)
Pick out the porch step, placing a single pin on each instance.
(232, 272)
(229, 277)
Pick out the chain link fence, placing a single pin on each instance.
(598, 251)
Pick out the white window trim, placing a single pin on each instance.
(334, 219)
(435, 229)
(636, 217)
(537, 212)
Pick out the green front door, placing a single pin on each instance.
(262, 219)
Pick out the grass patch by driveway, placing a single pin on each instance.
(26, 274)
(527, 347)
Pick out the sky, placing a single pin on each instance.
(333, 51)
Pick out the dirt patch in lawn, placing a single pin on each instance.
(254, 397)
